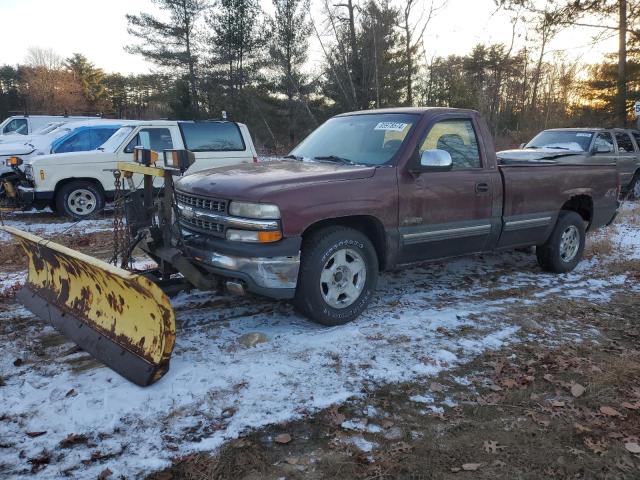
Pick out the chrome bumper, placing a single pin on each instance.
(276, 272)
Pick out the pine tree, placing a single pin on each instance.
(171, 44)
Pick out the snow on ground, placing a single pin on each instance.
(217, 389)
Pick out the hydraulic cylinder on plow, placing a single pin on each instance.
(122, 318)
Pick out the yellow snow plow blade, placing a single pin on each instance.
(122, 319)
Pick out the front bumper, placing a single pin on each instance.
(269, 270)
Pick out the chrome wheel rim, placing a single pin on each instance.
(82, 202)
(569, 243)
(342, 279)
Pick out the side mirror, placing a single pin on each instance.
(436, 159)
(522, 145)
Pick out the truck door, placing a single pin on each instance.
(447, 213)
(627, 158)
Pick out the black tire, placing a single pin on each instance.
(70, 195)
(317, 251)
(634, 187)
(552, 255)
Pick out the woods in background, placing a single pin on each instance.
(229, 55)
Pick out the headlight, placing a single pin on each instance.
(253, 236)
(254, 210)
(28, 172)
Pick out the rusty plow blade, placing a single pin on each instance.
(122, 319)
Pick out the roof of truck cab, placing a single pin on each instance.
(409, 110)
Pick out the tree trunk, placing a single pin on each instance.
(622, 66)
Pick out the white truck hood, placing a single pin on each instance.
(71, 158)
(9, 149)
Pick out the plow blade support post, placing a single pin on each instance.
(122, 319)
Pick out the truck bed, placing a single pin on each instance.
(535, 193)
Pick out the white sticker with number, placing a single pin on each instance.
(583, 134)
(392, 126)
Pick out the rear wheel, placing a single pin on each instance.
(79, 200)
(634, 188)
(338, 275)
(563, 250)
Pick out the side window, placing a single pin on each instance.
(17, 125)
(625, 145)
(101, 135)
(459, 139)
(212, 136)
(78, 142)
(603, 143)
(157, 139)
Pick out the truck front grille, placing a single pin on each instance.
(203, 225)
(217, 206)
(205, 205)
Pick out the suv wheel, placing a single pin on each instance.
(634, 189)
(338, 275)
(79, 200)
(563, 250)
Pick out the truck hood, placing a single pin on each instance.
(529, 155)
(70, 158)
(255, 181)
(16, 149)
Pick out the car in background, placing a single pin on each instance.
(67, 137)
(29, 124)
(587, 146)
(78, 184)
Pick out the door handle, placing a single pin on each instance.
(482, 187)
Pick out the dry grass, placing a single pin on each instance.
(600, 245)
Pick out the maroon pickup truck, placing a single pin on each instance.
(368, 191)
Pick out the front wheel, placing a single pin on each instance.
(563, 250)
(79, 200)
(338, 275)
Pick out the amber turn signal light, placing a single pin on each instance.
(14, 161)
(267, 237)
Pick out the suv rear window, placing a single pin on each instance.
(212, 136)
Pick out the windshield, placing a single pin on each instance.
(363, 139)
(116, 139)
(562, 140)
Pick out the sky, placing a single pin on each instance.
(98, 30)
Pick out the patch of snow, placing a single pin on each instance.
(361, 443)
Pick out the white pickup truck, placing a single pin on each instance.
(29, 124)
(78, 184)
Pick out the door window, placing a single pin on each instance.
(625, 145)
(17, 125)
(636, 136)
(459, 139)
(603, 143)
(156, 139)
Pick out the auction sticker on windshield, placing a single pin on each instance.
(583, 134)
(393, 126)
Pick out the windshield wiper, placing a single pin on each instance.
(532, 147)
(293, 157)
(334, 158)
(557, 147)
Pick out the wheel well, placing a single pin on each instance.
(582, 205)
(66, 181)
(369, 226)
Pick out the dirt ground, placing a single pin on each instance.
(529, 411)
